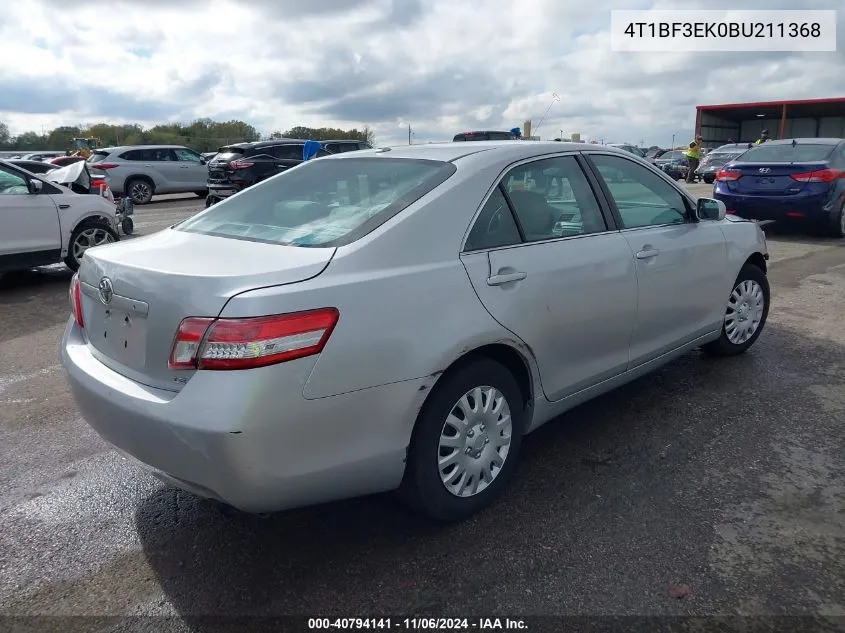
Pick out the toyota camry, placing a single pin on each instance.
(399, 318)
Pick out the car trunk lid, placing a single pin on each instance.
(771, 178)
(135, 295)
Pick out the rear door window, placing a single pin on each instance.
(322, 203)
(284, 152)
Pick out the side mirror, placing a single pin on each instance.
(710, 209)
(35, 185)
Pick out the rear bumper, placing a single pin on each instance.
(245, 437)
(806, 210)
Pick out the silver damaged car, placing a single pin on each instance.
(399, 318)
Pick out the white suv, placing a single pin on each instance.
(142, 171)
(44, 223)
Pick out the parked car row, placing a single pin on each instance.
(141, 172)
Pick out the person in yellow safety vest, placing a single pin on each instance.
(693, 155)
(764, 136)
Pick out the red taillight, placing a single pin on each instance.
(240, 164)
(730, 212)
(205, 343)
(728, 174)
(187, 343)
(75, 294)
(820, 175)
(794, 214)
(105, 165)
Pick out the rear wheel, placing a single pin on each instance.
(85, 236)
(745, 313)
(837, 223)
(140, 190)
(466, 442)
(202, 194)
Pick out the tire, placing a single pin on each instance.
(202, 194)
(731, 343)
(709, 181)
(127, 225)
(92, 231)
(140, 190)
(837, 223)
(423, 487)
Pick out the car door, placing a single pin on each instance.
(193, 172)
(286, 156)
(29, 222)
(556, 274)
(166, 163)
(680, 261)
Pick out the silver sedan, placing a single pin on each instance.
(399, 318)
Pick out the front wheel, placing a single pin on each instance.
(745, 313)
(85, 236)
(465, 443)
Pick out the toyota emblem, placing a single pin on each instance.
(106, 290)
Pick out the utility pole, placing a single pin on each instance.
(409, 133)
(673, 142)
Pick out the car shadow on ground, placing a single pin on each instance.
(45, 289)
(612, 503)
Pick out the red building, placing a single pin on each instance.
(743, 122)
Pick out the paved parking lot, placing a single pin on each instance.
(724, 477)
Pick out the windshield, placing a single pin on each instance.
(788, 153)
(322, 202)
(721, 157)
(671, 156)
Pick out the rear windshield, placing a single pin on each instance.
(322, 202)
(788, 153)
(228, 153)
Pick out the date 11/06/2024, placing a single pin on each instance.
(732, 30)
(418, 624)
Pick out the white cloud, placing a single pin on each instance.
(441, 66)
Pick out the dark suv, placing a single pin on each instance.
(238, 166)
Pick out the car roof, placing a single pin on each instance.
(495, 151)
(23, 161)
(807, 141)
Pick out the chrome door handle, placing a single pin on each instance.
(498, 280)
(646, 254)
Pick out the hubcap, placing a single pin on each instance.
(89, 238)
(475, 441)
(745, 311)
(140, 191)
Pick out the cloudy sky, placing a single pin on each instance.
(442, 66)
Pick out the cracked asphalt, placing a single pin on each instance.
(719, 480)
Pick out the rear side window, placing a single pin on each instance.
(322, 202)
(97, 157)
(787, 153)
(337, 148)
(284, 152)
(150, 154)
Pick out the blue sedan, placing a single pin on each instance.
(790, 181)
